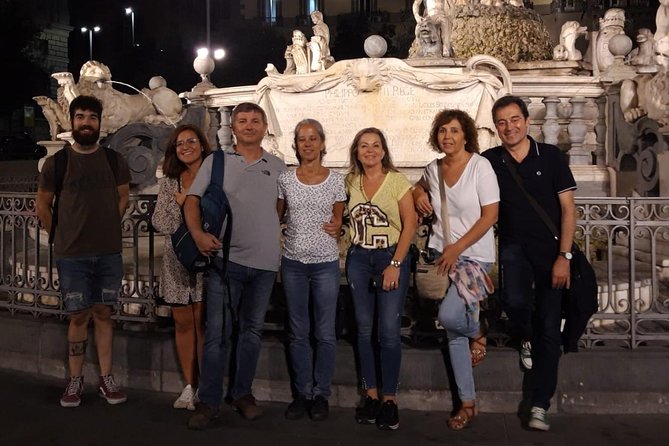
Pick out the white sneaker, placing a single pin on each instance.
(526, 355)
(186, 399)
(538, 419)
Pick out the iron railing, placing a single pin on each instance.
(627, 240)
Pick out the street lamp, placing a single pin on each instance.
(90, 32)
(131, 13)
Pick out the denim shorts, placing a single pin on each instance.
(87, 281)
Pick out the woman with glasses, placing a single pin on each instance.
(186, 148)
(383, 223)
(313, 198)
(472, 201)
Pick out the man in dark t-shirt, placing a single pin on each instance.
(534, 263)
(92, 199)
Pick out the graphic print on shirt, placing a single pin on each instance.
(363, 217)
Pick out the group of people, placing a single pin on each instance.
(219, 315)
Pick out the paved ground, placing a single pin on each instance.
(31, 415)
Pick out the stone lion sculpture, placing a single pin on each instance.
(647, 94)
(159, 105)
(155, 105)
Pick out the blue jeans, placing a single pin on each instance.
(321, 281)
(218, 326)
(88, 281)
(461, 323)
(250, 291)
(361, 265)
(526, 282)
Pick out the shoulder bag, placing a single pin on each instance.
(580, 300)
(429, 283)
(215, 209)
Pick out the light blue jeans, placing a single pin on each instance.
(311, 291)
(461, 323)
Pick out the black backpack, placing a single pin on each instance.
(61, 159)
(215, 208)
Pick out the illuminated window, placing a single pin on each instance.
(270, 11)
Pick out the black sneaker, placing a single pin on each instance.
(298, 408)
(367, 412)
(319, 409)
(389, 418)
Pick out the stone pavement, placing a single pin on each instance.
(30, 415)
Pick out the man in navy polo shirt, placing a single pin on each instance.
(534, 265)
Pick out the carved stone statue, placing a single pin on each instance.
(569, 32)
(158, 105)
(305, 57)
(321, 39)
(297, 55)
(648, 95)
(610, 25)
(57, 116)
(644, 55)
(435, 11)
(427, 42)
(662, 20)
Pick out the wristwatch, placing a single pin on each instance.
(567, 255)
(397, 263)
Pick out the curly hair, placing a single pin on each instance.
(172, 165)
(468, 127)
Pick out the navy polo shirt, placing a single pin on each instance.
(545, 173)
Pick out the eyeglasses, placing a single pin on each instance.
(189, 141)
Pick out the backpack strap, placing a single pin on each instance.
(217, 174)
(60, 159)
(112, 159)
(218, 168)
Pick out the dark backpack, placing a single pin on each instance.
(61, 160)
(215, 208)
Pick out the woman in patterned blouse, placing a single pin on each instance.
(186, 149)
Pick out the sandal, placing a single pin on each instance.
(464, 416)
(477, 346)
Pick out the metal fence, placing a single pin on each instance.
(627, 240)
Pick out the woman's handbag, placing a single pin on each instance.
(429, 283)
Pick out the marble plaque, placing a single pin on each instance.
(388, 94)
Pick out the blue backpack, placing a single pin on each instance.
(215, 208)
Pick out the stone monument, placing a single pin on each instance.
(385, 93)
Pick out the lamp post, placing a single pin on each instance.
(131, 13)
(90, 31)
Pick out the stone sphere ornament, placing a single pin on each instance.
(375, 46)
(620, 45)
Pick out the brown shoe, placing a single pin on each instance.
(247, 407)
(203, 417)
